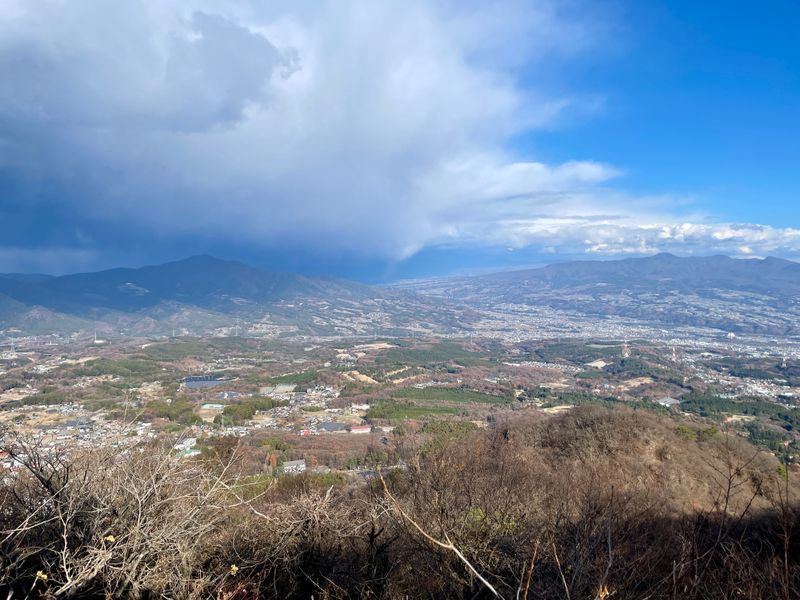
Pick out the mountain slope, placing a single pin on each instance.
(752, 295)
(667, 272)
(202, 294)
(200, 281)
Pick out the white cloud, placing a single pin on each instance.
(611, 238)
(375, 127)
(210, 116)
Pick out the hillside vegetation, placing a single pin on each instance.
(592, 504)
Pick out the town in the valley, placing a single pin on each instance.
(347, 405)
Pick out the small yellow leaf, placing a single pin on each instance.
(41, 575)
(234, 570)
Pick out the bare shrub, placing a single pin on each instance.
(593, 504)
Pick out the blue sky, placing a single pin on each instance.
(396, 139)
(704, 101)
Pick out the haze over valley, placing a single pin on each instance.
(204, 295)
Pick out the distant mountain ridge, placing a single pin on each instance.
(200, 293)
(768, 275)
(203, 294)
(758, 295)
(199, 280)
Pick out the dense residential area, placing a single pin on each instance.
(336, 404)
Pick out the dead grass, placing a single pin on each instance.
(589, 504)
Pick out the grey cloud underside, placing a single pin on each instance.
(371, 128)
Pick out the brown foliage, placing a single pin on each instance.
(587, 505)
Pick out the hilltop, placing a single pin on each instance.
(590, 504)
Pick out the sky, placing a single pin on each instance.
(387, 140)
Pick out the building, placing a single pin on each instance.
(360, 429)
(597, 364)
(294, 467)
(186, 444)
(331, 427)
(668, 402)
(281, 391)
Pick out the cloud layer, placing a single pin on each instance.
(372, 128)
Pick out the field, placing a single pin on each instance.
(401, 410)
(448, 394)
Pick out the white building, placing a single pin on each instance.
(294, 467)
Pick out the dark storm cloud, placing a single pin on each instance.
(369, 129)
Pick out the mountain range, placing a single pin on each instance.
(202, 281)
(203, 294)
(741, 295)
